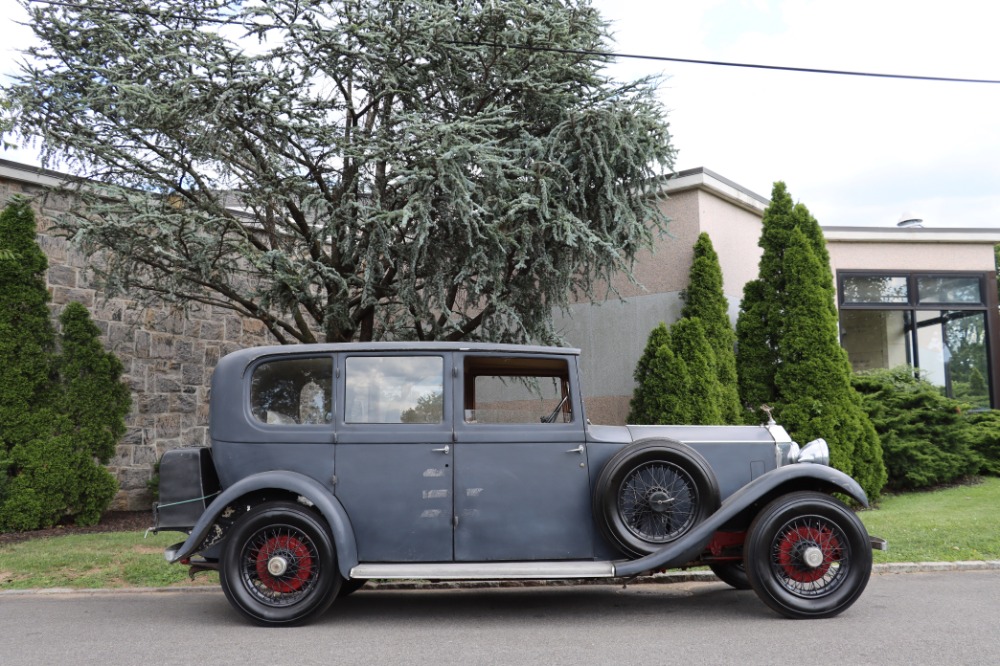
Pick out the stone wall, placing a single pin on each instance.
(168, 355)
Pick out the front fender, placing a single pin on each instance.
(312, 490)
(691, 545)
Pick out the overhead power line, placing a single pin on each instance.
(551, 49)
(720, 63)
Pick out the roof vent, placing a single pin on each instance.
(910, 221)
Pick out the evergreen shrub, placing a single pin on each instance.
(62, 406)
(926, 438)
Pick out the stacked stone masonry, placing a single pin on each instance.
(168, 355)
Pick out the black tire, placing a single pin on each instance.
(351, 586)
(653, 493)
(279, 565)
(733, 574)
(808, 556)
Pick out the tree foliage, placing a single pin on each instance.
(349, 170)
(789, 354)
(706, 300)
(61, 413)
(663, 382)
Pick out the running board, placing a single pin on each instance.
(485, 570)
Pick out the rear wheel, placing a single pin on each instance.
(808, 556)
(278, 565)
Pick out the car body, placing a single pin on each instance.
(333, 464)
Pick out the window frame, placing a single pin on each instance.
(988, 304)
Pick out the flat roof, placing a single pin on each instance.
(911, 235)
(701, 178)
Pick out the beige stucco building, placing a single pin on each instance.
(921, 296)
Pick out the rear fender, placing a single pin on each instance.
(292, 482)
(790, 478)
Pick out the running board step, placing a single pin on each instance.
(485, 570)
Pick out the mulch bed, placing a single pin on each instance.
(112, 521)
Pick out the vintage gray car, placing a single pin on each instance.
(331, 465)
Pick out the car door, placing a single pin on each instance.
(394, 455)
(522, 489)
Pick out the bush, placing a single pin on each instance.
(984, 438)
(925, 437)
(61, 414)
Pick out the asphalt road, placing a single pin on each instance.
(914, 618)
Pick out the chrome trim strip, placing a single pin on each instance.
(485, 570)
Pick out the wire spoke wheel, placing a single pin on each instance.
(807, 555)
(810, 556)
(652, 493)
(657, 501)
(279, 565)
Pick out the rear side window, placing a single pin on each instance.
(517, 390)
(394, 389)
(293, 391)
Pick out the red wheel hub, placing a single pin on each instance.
(295, 553)
(793, 544)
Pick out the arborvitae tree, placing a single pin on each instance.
(93, 395)
(639, 411)
(761, 321)
(704, 393)
(95, 401)
(26, 336)
(661, 396)
(706, 300)
(57, 413)
(366, 170)
(789, 355)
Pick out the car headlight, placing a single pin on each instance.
(816, 452)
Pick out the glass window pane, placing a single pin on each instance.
(952, 354)
(875, 289)
(948, 290)
(394, 389)
(293, 391)
(517, 390)
(875, 338)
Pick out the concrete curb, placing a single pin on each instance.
(656, 579)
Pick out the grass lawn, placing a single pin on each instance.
(106, 560)
(957, 523)
(948, 525)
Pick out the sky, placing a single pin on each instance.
(856, 151)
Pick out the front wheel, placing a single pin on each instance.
(808, 556)
(278, 565)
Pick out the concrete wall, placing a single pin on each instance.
(613, 334)
(168, 356)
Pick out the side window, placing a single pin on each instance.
(394, 389)
(517, 390)
(293, 391)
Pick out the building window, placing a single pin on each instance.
(938, 323)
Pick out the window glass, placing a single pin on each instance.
(932, 289)
(293, 391)
(394, 389)
(875, 289)
(517, 390)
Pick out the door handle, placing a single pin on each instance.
(578, 449)
(444, 449)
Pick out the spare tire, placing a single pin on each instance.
(652, 493)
